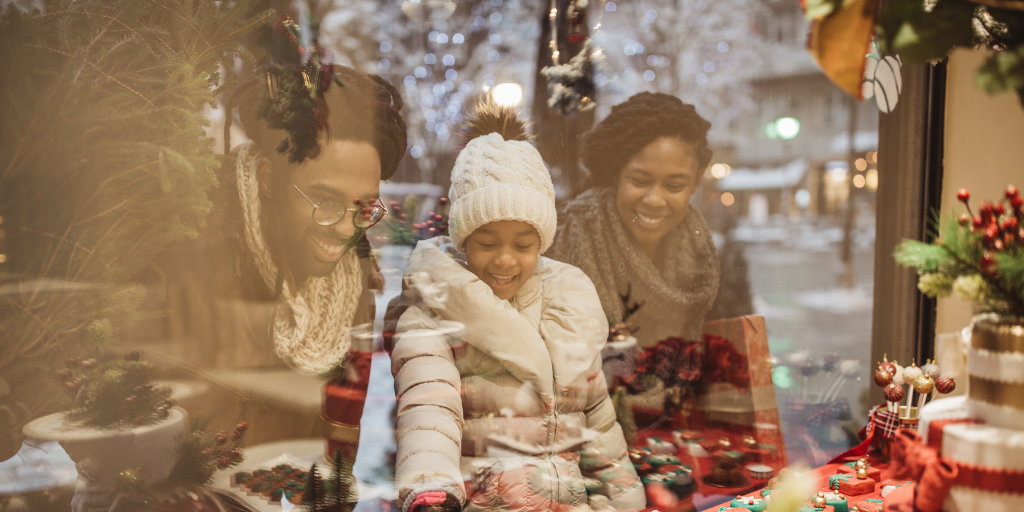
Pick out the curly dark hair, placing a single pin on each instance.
(635, 123)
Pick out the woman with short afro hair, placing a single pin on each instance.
(635, 231)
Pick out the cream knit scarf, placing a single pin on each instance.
(311, 328)
(675, 294)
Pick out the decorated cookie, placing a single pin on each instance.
(656, 445)
(891, 485)
(281, 481)
(749, 503)
(661, 459)
(837, 501)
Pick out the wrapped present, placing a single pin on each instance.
(869, 505)
(857, 486)
(850, 468)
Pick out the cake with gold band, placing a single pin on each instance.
(980, 436)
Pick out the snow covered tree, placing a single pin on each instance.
(698, 50)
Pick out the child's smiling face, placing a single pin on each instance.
(503, 254)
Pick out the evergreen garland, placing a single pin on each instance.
(104, 161)
(979, 257)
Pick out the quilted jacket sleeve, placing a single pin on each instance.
(575, 328)
(430, 416)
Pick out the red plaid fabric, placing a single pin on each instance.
(886, 423)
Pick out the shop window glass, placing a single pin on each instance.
(247, 289)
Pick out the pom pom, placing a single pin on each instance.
(945, 385)
(493, 118)
(893, 393)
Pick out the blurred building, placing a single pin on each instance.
(790, 154)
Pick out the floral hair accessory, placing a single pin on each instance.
(298, 74)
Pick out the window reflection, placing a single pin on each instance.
(652, 287)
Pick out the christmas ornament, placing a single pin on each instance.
(882, 377)
(945, 385)
(931, 369)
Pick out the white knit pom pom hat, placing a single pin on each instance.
(496, 179)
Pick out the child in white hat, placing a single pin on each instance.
(518, 400)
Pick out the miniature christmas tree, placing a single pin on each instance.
(315, 498)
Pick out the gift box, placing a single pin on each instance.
(868, 505)
(850, 469)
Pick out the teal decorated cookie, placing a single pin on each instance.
(661, 459)
(835, 480)
(837, 501)
(749, 503)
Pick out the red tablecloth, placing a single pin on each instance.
(820, 478)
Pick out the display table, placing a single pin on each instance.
(867, 502)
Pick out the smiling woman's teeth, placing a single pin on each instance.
(328, 248)
(650, 220)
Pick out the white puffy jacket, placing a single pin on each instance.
(515, 403)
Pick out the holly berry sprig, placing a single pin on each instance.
(401, 229)
(979, 255)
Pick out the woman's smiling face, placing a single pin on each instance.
(503, 254)
(654, 190)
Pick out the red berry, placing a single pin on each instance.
(987, 262)
(443, 200)
(985, 209)
(964, 219)
(977, 222)
(991, 232)
(1017, 201)
(133, 356)
(357, 201)
(138, 421)
(1011, 192)
(221, 438)
(1010, 224)
(999, 209)
(963, 195)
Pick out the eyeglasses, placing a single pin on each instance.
(328, 213)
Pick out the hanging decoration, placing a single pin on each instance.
(298, 74)
(883, 80)
(571, 85)
(920, 32)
